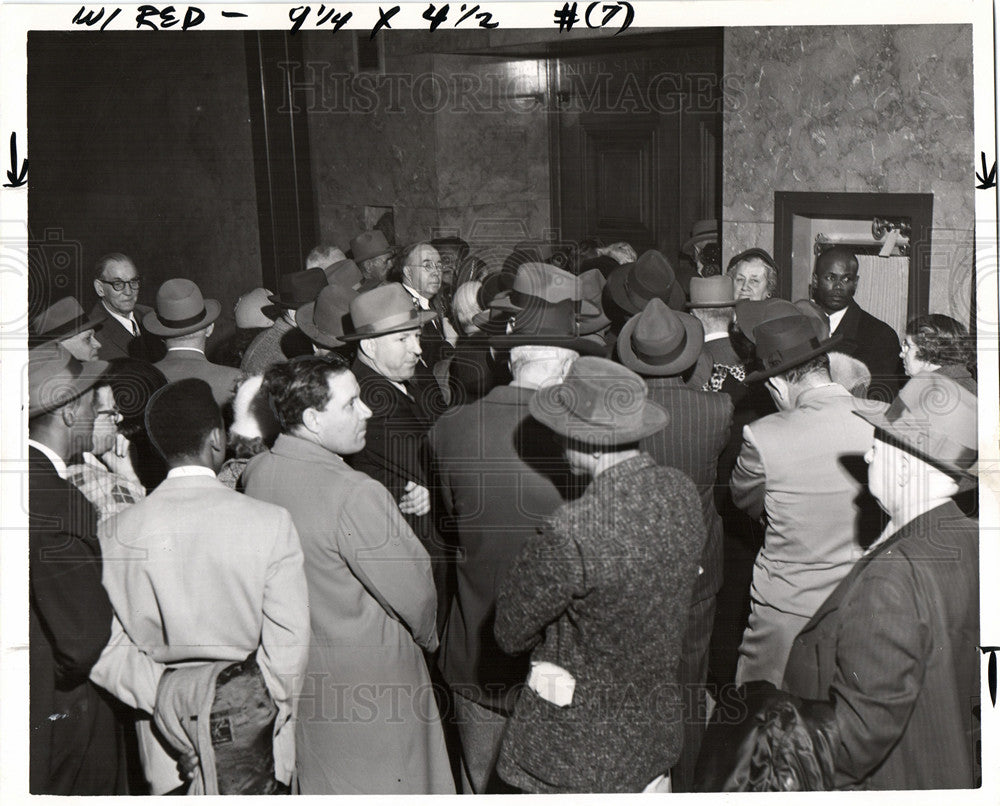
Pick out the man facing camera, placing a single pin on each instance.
(116, 283)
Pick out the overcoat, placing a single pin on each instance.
(117, 342)
(368, 719)
(894, 648)
(876, 345)
(179, 364)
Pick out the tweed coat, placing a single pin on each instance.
(368, 720)
(280, 342)
(75, 745)
(804, 469)
(117, 342)
(179, 364)
(499, 473)
(876, 345)
(894, 648)
(604, 595)
(196, 573)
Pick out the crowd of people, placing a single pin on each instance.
(577, 522)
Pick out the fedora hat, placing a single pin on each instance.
(660, 340)
(326, 319)
(590, 285)
(249, 310)
(598, 402)
(711, 292)
(818, 316)
(934, 418)
(539, 283)
(750, 313)
(55, 378)
(490, 320)
(703, 231)
(369, 244)
(383, 310)
(632, 285)
(547, 324)
(59, 321)
(180, 309)
(785, 343)
(345, 272)
(299, 287)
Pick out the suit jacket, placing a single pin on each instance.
(894, 648)
(499, 473)
(160, 552)
(75, 745)
(721, 352)
(875, 344)
(603, 594)
(118, 342)
(179, 364)
(796, 466)
(368, 720)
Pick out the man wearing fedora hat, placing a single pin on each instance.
(499, 473)
(185, 320)
(795, 471)
(116, 283)
(702, 253)
(600, 598)
(632, 285)
(662, 345)
(283, 340)
(711, 301)
(895, 646)
(64, 322)
(373, 254)
(75, 745)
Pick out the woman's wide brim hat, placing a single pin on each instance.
(599, 402)
(660, 341)
(384, 310)
(180, 309)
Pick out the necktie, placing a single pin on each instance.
(135, 328)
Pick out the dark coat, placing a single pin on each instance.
(895, 649)
(117, 342)
(721, 352)
(876, 345)
(603, 594)
(499, 473)
(75, 739)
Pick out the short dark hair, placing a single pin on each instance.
(180, 417)
(302, 383)
(818, 365)
(104, 260)
(941, 340)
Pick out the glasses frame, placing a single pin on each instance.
(119, 285)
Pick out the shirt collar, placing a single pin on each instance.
(716, 336)
(52, 456)
(425, 304)
(190, 470)
(836, 318)
(126, 321)
(192, 349)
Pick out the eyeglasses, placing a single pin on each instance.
(119, 285)
(839, 279)
(429, 265)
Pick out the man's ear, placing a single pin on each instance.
(365, 346)
(217, 439)
(68, 412)
(99, 288)
(309, 420)
(406, 275)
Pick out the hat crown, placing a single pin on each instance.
(659, 329)
(301, 287)
(546, 282)
(600, 392)
(781, 340)
(332, 305)
(938, 417)
(57, 315)
(547, 319)
(387, 306)
(179, 298)
(711, 290)
(56, 377)
(344, 272)
(249, 309)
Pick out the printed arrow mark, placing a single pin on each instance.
(989, 178)
(16, 179)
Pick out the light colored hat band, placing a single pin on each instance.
(390, 322)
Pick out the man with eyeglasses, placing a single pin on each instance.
(869, 340)
(116, 283)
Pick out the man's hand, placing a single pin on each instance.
(188, 765)
(416, 500)
(118, 460)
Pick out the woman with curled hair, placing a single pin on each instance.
(938, 343)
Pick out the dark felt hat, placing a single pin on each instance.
(548, 325)
(180, 309)
(785, 343)
(660, 340)
(370, 244)
(752, 312)
(327, 319)
(632, 285)
(299, 287)
(599, 402)
(383, 310)
(936, 419)
(754, 253)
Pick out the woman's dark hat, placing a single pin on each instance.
(785, 343)
(660, 341)
(599, 403)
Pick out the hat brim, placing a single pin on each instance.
(615, 288)
(578, 344)
(967, 475)
(414, 323)
(824, 347)
(694, 342)
(304, 321)
(489, 322)
(690, 305)
(545, 406)
(66, 390)
(66, 331)
(589, 325)
(688, 246)
(153, 324)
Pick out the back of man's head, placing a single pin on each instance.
(813, 372)
(715, 320)
(536, 366)
(300, 384)
(324, 255)
(180, 418)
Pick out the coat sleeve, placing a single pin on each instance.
(284, 638)
(749, 482)
(882, 649)
(388, 559)
(537, 589)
